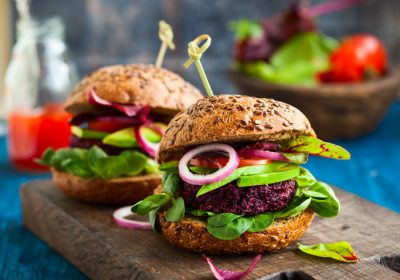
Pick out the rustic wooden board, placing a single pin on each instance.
(86, 235)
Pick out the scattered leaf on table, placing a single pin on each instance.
(341, 251)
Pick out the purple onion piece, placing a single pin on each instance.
(225, 274)
(129, 110)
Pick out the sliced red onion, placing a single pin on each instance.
(197, 179)
(158, 127)
(224, 274)
(150, 148)
(129, 110)
(263, 154)
(120, 219)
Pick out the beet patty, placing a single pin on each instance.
(244, 201)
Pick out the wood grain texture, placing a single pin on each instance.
(86, 235)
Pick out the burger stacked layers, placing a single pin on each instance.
(119, 117)
(233, 181)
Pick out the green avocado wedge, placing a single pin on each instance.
(125, 138)
(85, 133)
(250, 171)
(268, 178)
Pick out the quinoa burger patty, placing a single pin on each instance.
(244, 201)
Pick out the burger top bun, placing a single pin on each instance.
(137, 84)
(232, 118)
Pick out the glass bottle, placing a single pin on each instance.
(38, 79)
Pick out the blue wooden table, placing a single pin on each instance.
(372, 173)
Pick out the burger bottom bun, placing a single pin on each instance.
(119, 191)
(191, 234)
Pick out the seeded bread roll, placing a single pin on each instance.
(137, 84)
(232, 118)
(191, 234)
(119, 191)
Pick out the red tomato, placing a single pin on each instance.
(358, 57)
(108, 126)
(222, 161)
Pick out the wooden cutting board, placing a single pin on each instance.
(86, 235)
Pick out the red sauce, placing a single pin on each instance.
(31, 133)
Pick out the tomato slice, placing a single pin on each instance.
(219, 162)
(107, 126)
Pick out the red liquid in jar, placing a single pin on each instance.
(31, 133)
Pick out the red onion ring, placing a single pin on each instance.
(263, 154)
(120, 219)
(197, 179)
(129, 110)
(150, 148)
(158, 127)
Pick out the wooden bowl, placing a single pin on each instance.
(336, 111)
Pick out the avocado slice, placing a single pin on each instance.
(125, 138)
(87, 133)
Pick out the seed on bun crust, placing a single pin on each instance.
(152, 96)
(233, 177)
(135, 84)
(232, 118)
(191, 234)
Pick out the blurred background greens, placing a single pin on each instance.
(101, 32)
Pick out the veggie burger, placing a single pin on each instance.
(120, 113)
(233, 181)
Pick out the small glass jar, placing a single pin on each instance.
(38, 79)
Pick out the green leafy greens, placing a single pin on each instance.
(245, 28)
(315, 146)
(227, 226)
(95, 163)
(289, 66)
(341, 251)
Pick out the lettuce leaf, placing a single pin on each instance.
(95, 163)
(171, 166)
(150, 203)
(177, 210)
(325, 207)
(314, 146)
(289, 66)
(341, 251)
(245, 29)
(305, 178)
(231, 230)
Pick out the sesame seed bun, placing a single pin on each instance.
(191, 234)
(232, 118)
(137, 84)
